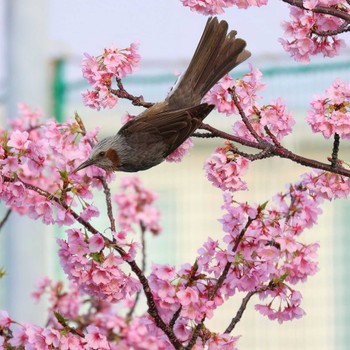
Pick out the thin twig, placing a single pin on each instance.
(345, 27)
(228, 265)
(332, 11)
(191, 278)
(243, 306)
(240, 311)
(245, 120)
(335, 150)
(195, 334)
(143, 268)
(278, 151)
(7, 215)
(219, 282)
(206, 135)
(152, 308)
(272, 136)
(107, 193)
(82, 127)
(135, 100)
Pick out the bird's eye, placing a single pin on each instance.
(102, 154)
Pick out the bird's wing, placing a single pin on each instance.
(171, 128)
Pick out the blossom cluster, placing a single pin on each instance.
(43, 153)
(212, 7)
(135, 206)
(302, 38)
(96, 273)
(69, 327)
(273, 115)
(301, 32)
(261, 251)
(224, 169)
(330, 113)
(101, 70)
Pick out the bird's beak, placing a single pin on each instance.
(83, 165)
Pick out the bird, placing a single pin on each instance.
(146, 140)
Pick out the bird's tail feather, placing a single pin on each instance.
(217, 53)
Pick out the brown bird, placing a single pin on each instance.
(149, 138)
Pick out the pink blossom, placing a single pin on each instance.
(330, 112)
(302, 42)
(212, 7)
(95, 339)
(100, 72)
(164, 272)
(246, 89)
(91, 99)
(5, 320)
(52, 337)
(41, 286)
(90, 212)
(18, 139)
(127, 117)
(180, 152)
(19, 336)
(136, 206)
(96, 243)
(326, 185)
(70, 342)
(187, 296)
(225, 170)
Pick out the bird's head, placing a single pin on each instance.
(103, 155)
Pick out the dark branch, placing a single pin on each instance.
(240, 311)
(107, 193)
(335, 151)
(4, 220)
(245, 120)
(135, 100)
(243, 306)
(282, 152)
(332, 11)
(143, 268)
(152, 308)
(345, 27)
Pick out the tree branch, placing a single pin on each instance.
(273, 150)
(107, 193)
(143, 269)
(332, 11)
(219, 283)
(240, 312)
(152, 308)
(135, 100)
(345, 27)
(335, 150)
(235, 98)
(243, 306)
(4, 220)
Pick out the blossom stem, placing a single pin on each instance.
(107, 192)
(135, 100)
(143, 268)
(240, 312)
(152, 308)
(280, 151)
(243, 306)
(332, 11)
(335, 150)
(245, 120)
(6, 216)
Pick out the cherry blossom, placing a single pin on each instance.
(330, 112)
(100, 71)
